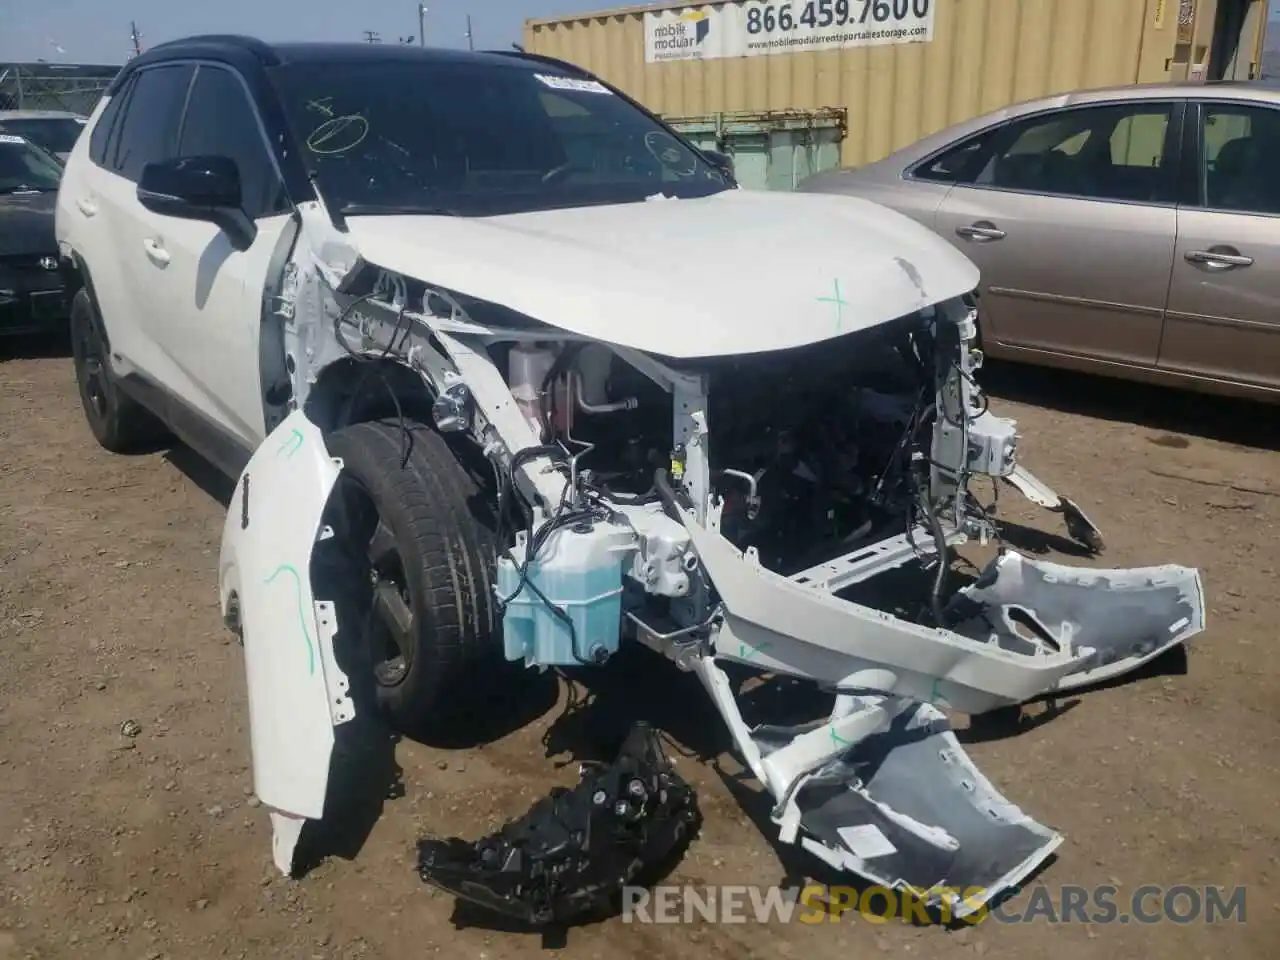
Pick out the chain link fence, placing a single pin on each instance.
(49, 86)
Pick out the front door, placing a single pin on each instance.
(209, 294)
(1224, 302)
(1072, 222)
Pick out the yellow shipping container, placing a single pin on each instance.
(894, 70)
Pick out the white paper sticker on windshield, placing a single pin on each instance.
(571, 83)
(11, 138)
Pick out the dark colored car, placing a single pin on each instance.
(52, 130)
(32, 297)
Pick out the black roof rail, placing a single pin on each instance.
(520, 54)
(259, 48)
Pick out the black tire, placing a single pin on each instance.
(424, 525)
(118, 422)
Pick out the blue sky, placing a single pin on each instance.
(97, 31)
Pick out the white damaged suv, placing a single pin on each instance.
(506, 370)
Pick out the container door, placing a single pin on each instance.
(750, 152)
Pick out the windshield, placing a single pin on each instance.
(55, 134)
(474, 138)
(26, 169)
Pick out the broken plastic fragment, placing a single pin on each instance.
(573, 852)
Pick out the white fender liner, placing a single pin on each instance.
(297, 693)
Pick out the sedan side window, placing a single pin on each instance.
(221, 120)
(1098, 153)
(150, 130)
(1237, 166)
(960, 164)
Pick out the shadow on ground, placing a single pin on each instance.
(1242, 422)
(45, 346)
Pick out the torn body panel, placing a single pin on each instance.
(297, 692)
(907, 809)
(1125, 617)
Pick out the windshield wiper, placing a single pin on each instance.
(395, 209)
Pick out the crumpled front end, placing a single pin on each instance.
(883, 788)
(723, 510)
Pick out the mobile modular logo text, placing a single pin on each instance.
(679, 37)
(1104, 904)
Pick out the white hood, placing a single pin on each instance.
(738, 272)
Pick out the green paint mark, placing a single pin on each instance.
(746, 652)
(302, 615)
(291, 445)
(838, 740)
(935, 697)
(840, 303)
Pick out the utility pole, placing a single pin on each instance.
(371, 36)
(470, 44)
(422, 24)
(135, 36)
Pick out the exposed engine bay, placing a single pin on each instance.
(718, 510)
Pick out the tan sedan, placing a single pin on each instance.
(1131, 231)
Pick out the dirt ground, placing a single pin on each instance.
(153, 846)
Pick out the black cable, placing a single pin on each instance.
(406, 436)
(940, 544)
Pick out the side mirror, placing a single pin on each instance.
(198, 188)
(721, 161)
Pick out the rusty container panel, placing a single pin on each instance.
(978, 55)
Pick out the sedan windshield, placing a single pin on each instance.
(55, 134)
(25, 168)
(478, 138)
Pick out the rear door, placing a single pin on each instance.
(1072, 219)
(148, 131)
(1224, 302)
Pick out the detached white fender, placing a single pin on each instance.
(297, 693)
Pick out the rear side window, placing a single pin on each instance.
(959, 164)
(101, 136)
(221, 119)
(150, 126)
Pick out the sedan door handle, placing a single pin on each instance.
(981, 232)
(156, 253)
(87, 207)
(1215, 260)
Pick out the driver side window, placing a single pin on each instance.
(221, 120)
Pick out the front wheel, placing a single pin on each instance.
(415, 524)
(117, 422)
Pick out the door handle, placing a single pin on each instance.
(87, 207)
(156, 253)
(982, 232)
(1215, 260)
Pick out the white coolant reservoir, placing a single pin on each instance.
(527, 368)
